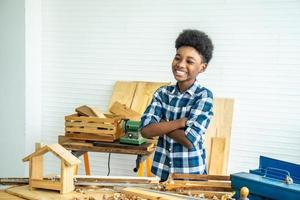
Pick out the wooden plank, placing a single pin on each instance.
(91, 137)
(199, 177)
(24, 192)
(207, 194)
(4, 196)
(90, 148)
(123, 92)
(117, 179)
(94, 130)
(143, 95)
(148, 194)
(90, 125)
(216, 162)
(121, 109)
(45, 184)
(220, 126)
(109, 118)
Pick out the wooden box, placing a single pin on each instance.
(106, 129)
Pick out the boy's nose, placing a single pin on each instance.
(181, 64)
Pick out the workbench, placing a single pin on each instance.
(142, 152)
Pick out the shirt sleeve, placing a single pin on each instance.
(153, 113)
(199, 118)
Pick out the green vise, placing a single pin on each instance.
(132, 133)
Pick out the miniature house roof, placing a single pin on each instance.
(58, 151)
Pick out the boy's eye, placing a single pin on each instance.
(190, 62)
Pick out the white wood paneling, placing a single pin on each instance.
(87, 45)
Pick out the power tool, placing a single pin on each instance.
(132, 133)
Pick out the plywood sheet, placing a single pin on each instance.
(123, 92)
(220, 126)
(24, 192)
(143, 95)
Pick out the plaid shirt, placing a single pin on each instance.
(169, 104)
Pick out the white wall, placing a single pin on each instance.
(12, 87)
(87, 45)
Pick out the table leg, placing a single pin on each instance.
(148, 168)
(141, 169)
(86, 163)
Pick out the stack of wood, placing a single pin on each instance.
(208, 186)
(89, 124)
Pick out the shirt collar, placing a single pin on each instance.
(191, 90)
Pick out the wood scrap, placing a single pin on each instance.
(121, 109)
(89, 111)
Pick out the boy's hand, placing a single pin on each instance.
(182, 122)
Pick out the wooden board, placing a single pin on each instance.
(123, 92)
(4, 196)
(148, 194)
(217, 153)
(143, 95)
(121, 109)
(144, 149)
(24, 192)
(220, 126)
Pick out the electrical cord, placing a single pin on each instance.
(108, 164)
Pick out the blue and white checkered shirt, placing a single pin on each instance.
(169, 104)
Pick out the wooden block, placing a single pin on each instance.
(89, 111)
(217, 160)
(121, 109)
(85, 111)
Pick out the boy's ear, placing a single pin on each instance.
(203, 67)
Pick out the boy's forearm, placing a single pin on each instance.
(180, 137)
(163, 127)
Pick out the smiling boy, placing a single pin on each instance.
(180, 114)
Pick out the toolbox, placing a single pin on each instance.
(274, 179)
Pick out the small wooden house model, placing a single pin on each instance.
(68, 163)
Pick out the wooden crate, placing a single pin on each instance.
(93, 128)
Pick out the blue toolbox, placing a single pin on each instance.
(274, 179)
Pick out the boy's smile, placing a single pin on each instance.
(186, 65)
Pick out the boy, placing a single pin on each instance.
(180, 114)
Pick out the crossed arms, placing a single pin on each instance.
(173, 129)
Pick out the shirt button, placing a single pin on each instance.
(170, 149)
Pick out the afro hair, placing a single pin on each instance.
(198, 40)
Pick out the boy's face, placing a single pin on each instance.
(187, 64)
